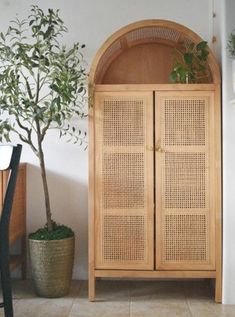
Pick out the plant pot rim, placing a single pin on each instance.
(48, 241)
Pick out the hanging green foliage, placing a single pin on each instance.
(190, 63)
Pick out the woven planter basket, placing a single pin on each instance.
(51, 266)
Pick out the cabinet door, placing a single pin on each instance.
(185, 219)
(124, 180)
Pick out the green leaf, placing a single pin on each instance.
(182, 74)
(201, 45)
(58, 120)
(58, 103)
(188, 58)
(2, 36)
(55, 88)
(7, 137)
(80, 89)
(48, 32)
(46, 61)
(173, 76)
(33, 64)
(203, 55)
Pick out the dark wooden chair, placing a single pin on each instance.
(9, 160)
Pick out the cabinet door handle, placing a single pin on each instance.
(159, 149)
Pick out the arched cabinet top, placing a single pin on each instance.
(143, 53)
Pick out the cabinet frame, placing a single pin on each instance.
(206, 273)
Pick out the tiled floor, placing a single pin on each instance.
(124, 299)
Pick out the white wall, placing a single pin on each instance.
(228, 25)
(91, 22)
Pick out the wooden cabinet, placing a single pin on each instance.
(155, 162)
(18, 217)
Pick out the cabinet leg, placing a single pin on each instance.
(218, 289)
(91, 288)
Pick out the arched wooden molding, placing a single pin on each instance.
(160, 34)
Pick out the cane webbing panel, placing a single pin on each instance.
(184, 216)
(185, 179)
(125, 126)
(124, 238)
(186, 238)
(185, 122)
(153, 34)
(123, 180)
(124, 172)
(106, 59)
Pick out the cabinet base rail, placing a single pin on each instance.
(155, 274)
(138, 274)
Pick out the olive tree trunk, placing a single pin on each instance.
(45, 188)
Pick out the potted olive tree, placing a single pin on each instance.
(42, 86)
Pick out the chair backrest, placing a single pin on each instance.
(9, 160)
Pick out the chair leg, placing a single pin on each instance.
(6, 289)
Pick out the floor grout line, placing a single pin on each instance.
(187, 301)
(189, 307)
(70, 308)
(130, 300)
(73, 300)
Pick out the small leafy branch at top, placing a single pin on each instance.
(231, 44)
(42, 84)
(190, 63)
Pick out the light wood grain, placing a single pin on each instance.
(154, 274)
(91, 236)
(18, 215)
(142, 64)
(218, 198)
(155, 87)
(15, 261)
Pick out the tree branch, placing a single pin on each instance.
(43, 81)
(44, 130)
(28, 88)
(38, 86)
(29, 133)
(44, 97)
(23, 139)
(21, 125)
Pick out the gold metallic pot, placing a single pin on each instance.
(52, 266)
